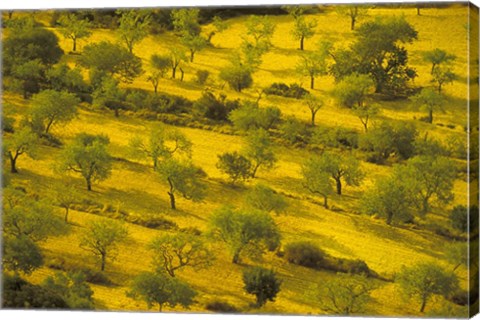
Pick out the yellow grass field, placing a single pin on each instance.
(342, 231)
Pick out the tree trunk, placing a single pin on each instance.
(172, 200)
(13, 162)
(430, 115)
(104, 257)
(389, 218)
(66, 214)
(174, 70)
(192, 53)
(210, 36)
(313, 118)
(301, 42)
(155, 88)
(418, 11)
(116, 112)
(236, 257)
(439, 88)
(339, 186)
(160, 307)
(352, 24)
(181, 74)
(254, 171)
(424, 302)
(325, 202)
(89, 184)
(312, 82)
(10, 15)
(425, 206)
(47, 128)
(74, 45)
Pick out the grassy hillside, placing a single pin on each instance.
(342, 231)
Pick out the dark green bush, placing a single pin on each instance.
(281, 89)
(220, 307)
(202, 76)
(213, 108)
(304, 254)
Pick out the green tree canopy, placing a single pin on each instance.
(247, 231)
(133, 27)
(264, 198)
(161, 289)
(88, 156)
(102, 237)
(353, 90)
(22, 141)
(428, 100)
(74, 28)
(259, 150)
(236, 166)
(262, 283)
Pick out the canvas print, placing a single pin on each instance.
(294, 159)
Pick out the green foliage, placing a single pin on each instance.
(28, 77)
(259, 33)
(237, 75)
(428, 100)
(19, 294)
(438, 57)
(202, 76)
(378, 52)
(22, 141)
(102, 237)
(345, 294)
(62, 78)
(461, 217)
(314, 104)
(259, 150)
(20, 253)
(264, 198)
(245, 231)
(316, 180)
(427, 146)
(111, 59)
(184, 178)
(304, 254)
(251, 117)
(303, 29)
(294, 131)
(214, 108)
(50, 107)
(353, 90)
(161, 289)
(73, 27)
(281, 89)
(163, 143)
(423, 280)
(88, 156)
(133, 27)
(175, 251)
(72, 287)
(221, 307)
(262, 283)
(335, 137)
(353, 11)
(457, 254)
(108, 94)
(236, 166)
(443, 75)
(177, 57)
(160, 64)
(313, 64)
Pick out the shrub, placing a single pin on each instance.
(335, 137)
(221, 307)
(250, 116)
(262, 283)
(294, 131)
(237, 76)
(236, 166)
(202, 76)
(214, 108)
(281, 89)
(304, 254)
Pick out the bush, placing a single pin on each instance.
(262, 283)
(304, 254)
(202, 76)
(335, 137)
(294, 131)
(158, 223)
(214, 108)
(220, 307)
(165, 103)
(281, 89)
(250, 116)
(237, 76)
(236, 166)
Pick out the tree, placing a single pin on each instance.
(438, 57)
(428, 178)
(219, 26)
(353, 90)
(264, 198)
(177, 56)
(185, 23)
(108, 94)
(262, 283)
(316, 180)
(236, 166)
(462, 217)
(50, 107)
(428, 100)
(345, 294)
(314, 104)
(259, 150)
(62, 78)
(174, 252)
(65, 196)
(102, 237)
(365, 113)
(313, 64)
(73, 288)
(22, 141)
(423, 280)
(378, 52)
(237, 75)
(74, 28)
(21, 254)
(390, 199)
(160, 289)
(162, 144)
(160, 64)
(441, 76)
(457, 254)
(250, 116)
(184, 178)
(88, 156)
(354, 12)
(245, 231)
(29, 77)
(302, 29)
(260, 30)
(111, 60)
(133, 26)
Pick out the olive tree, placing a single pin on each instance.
(184, 178)
(22, 141)
(160, 65)
(236, 166)
(161, 289)
(423, 280)
(172, 252)
(259, 150)
(187, 27)
(88, 156)
(353, 90)
(133, 26)
(302, 29)
(316, 180)
(262, 283)
(314, 63)
(352, 11)
(247, 231)
(438, 57)
(102, 238)
(314, 104)
(264, 198)
(74, 28)
(50, 107)
(428, 100)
